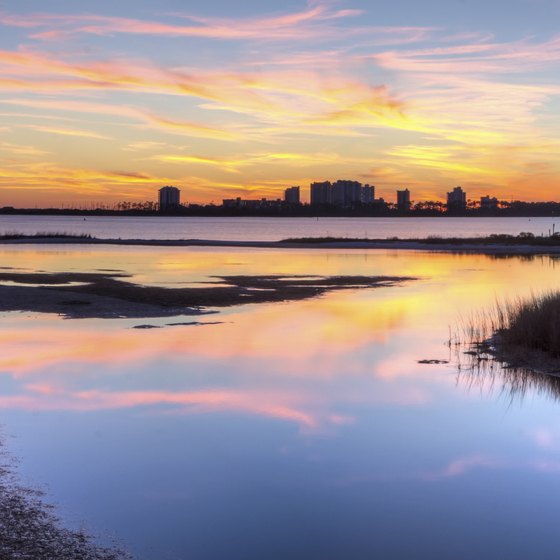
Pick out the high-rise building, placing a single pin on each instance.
(169, 198)
(368, 194)
(291, 195)
(488, 203)
(321, 193)
(456, 199)
(403, 200)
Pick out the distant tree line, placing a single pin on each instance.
(424, 208)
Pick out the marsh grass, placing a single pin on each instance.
(511, 349)
(44, 235)
(533, 323)
(530, 323)
(513, 346)
(524, 238)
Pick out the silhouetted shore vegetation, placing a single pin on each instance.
(524, 244)
(523, 238)
(533, 323)
(44, 235)
(521, 333)
(381, 209)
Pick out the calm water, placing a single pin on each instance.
(289, 430)
(272, 229)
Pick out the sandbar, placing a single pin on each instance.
(514, 246)
(113, 295)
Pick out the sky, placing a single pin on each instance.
(102, 102)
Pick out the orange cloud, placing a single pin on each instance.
(451, 110)
(69, 132)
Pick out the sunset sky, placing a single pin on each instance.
(107, 101)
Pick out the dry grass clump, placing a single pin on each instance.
(533, 323)
(520, 333)
(512, 349)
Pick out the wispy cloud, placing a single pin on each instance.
(21, 150)
(317, 22)
(314, 21)
(287, 100)
(186, 128)
(475, 58)
(425, 105)
(234, 164)
(68, 132)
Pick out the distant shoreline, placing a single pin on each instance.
(508, 245)
(305, 213)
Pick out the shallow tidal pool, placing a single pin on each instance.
(302, 429)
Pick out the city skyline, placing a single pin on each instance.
(116, 101)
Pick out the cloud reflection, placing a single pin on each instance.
(288, 362)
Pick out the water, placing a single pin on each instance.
(289, 430)
(272, 229)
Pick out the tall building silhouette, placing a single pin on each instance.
(291, 195)
(169, 198)
(321, 193)
(403, 200)
(457, 199)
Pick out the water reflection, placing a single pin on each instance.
(276, 422)
(65, 366)
(488, 375)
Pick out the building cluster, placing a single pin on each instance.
(488, 203)
(291, 199)
(457, 201)
(342, 194)
(251, 204)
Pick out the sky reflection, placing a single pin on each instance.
(285, 418)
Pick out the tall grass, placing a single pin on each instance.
(532, 323)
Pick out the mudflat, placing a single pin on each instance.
(113, 295)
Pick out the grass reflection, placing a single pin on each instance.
(491, 376)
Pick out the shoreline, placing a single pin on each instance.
(445, 246)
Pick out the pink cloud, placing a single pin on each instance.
(474, 57)
(463, 465)
(287, 26)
